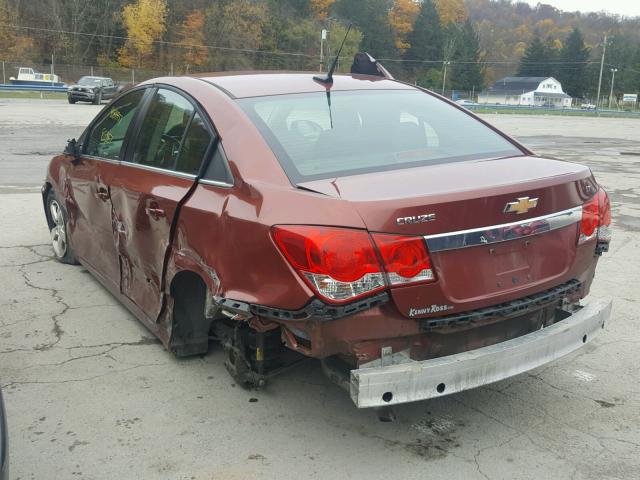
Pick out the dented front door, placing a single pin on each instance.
(88, 187)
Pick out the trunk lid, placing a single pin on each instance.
(437, 200)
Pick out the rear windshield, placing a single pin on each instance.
(368, 131)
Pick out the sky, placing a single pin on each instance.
(629, 8)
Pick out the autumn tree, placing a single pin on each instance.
(451, 11)
(402, 16)
(13, 45)
(236, 26)
(191, 39)
(144, 21)
(320, 8)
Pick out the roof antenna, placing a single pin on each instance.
(328, 78)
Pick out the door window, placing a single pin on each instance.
(163, 129)
(107, 135)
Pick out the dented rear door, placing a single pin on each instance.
(158, 175)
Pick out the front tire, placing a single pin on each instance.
(97, 100)
(57, 220)
(71, 100)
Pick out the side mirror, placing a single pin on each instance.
(73, 148)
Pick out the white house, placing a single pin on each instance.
(532, 91)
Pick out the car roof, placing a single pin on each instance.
(94, 77)
(254, 84)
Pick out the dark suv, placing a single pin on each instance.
(92, 89)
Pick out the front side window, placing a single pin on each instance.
(369, 131)
(107, 135)
(163, 128)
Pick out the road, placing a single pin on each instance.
(90, 395)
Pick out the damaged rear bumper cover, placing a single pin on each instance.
(405, 380)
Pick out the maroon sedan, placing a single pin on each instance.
(412, 247)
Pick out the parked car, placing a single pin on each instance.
(343, 220)
(92, 89)
(467, 103)
(4, 444)
(588, 106)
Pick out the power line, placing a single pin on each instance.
(159, 42)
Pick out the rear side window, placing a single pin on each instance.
(368, 131)
(107, 135)
(194, 146)
(160, 138)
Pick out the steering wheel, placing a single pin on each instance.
(168, 150)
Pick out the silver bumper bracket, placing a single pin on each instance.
(419, 380)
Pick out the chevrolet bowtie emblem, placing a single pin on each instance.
(522, 205)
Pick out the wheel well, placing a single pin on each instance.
(45, 195)
(190, 329)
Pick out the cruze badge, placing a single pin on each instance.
(412, 220)
(522, 205)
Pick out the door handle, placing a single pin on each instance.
(102, 193)
(155, 213)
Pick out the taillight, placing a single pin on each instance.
(596, 218)
(405, 259)
(604, 228)
(339, 264)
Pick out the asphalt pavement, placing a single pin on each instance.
(91, 395)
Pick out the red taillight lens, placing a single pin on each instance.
(405, 259)
(589, 223)
(596, 218)
(339, 264)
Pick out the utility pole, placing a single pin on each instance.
(613, 78)
(444, 77)
(604, 50)
(323, 37)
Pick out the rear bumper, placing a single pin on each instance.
(405, 380)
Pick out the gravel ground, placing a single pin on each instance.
(91, 395)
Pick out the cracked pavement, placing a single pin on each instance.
(91, 394)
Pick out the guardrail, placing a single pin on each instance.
(484, 107)
(32, 88)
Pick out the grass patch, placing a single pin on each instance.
(38, 95)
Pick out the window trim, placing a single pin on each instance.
(216, 139)
(134, 129)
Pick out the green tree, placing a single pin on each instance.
(426, 40)
(572, 69)
(371, 17)
(538, 60)
(466, 71)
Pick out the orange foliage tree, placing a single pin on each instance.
(402, 16)
(191, 38)
(145, 24)
(320, 8)
(451, 11)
